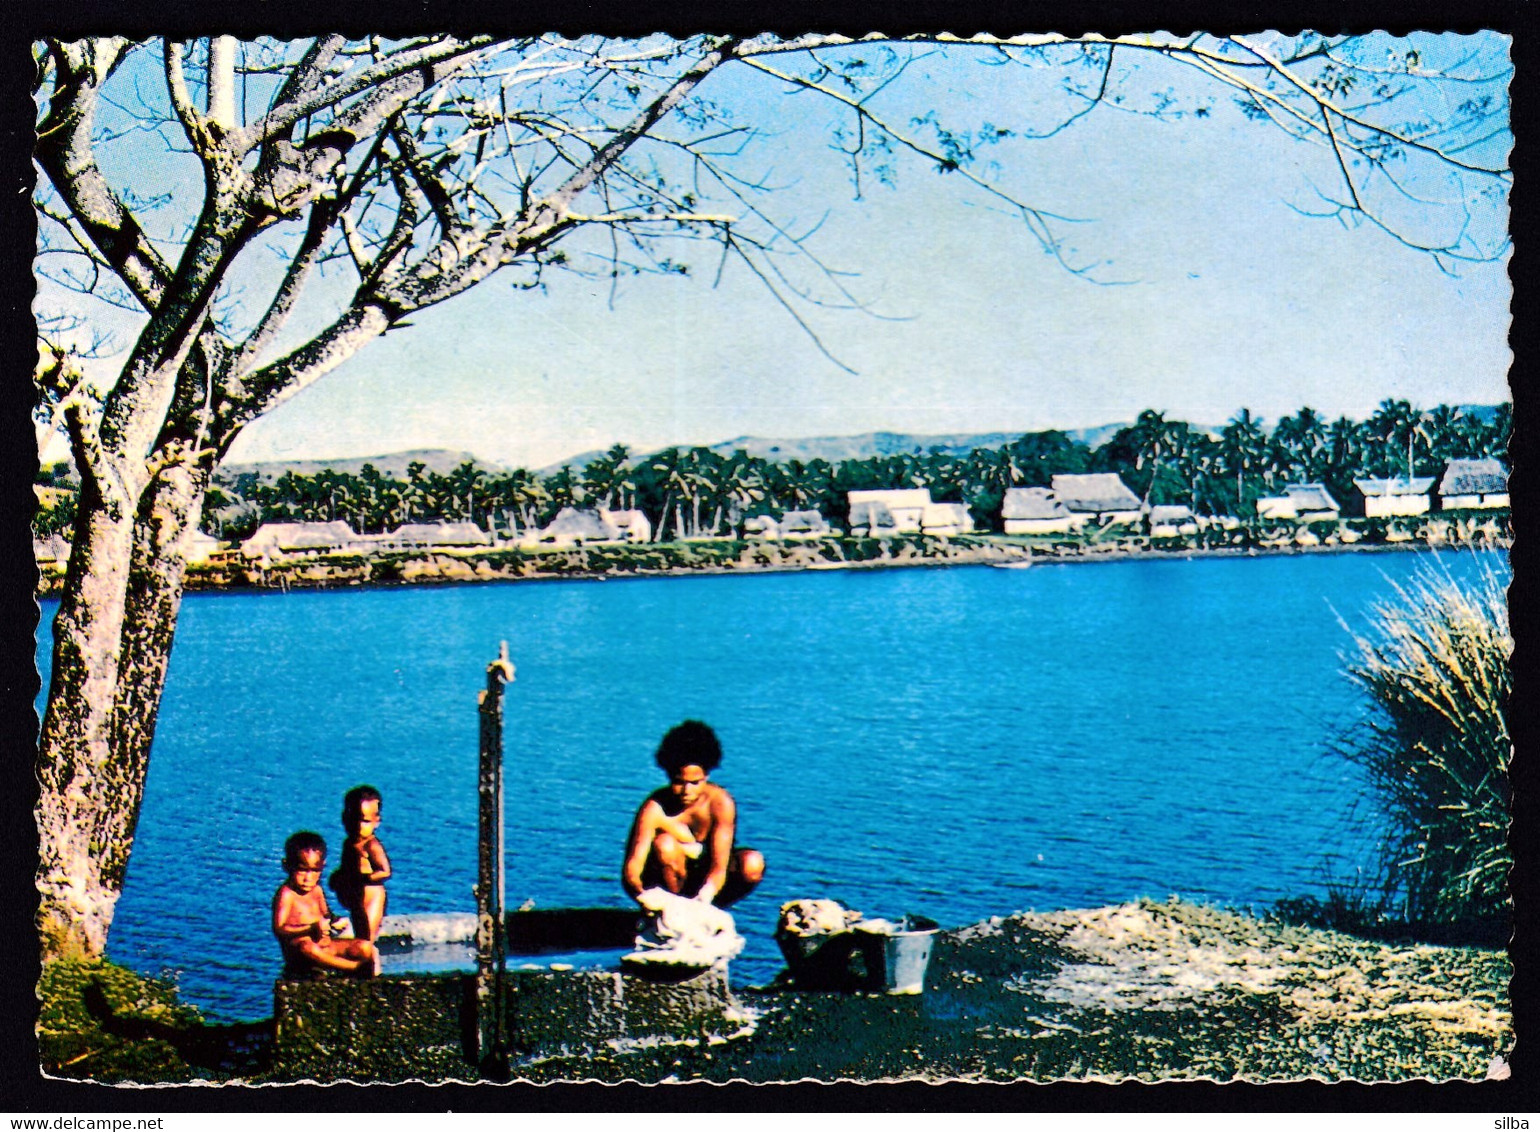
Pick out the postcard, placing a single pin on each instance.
(774, 558)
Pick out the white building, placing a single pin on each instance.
(905, 505)
(574, 527)
(802, 524)
(872, 518)
(761, 526)
(632, 525)
(1169, 520)
(1302, 502)
(1036, 511)
(1473, 483)
(1394, 496)
(946, 519)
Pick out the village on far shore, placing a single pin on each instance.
(1077, 513)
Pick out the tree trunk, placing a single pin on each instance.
(112, 640)
(657, 535)
(79, 873)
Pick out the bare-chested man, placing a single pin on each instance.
(682, 838)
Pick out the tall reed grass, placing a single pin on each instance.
(1435, 662)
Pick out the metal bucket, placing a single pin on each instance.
(886, 962)
(906, 954)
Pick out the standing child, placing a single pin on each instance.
(304, 924)
(359, 881)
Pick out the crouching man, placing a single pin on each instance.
(682, 838)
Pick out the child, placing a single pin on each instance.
(359, 881)
(304, 924)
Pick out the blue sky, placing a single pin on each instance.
(1216, 295)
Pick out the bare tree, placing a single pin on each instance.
(390, 176)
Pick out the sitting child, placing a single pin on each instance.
(302, 921)
(359, 881)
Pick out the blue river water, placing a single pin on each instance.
(958, 742)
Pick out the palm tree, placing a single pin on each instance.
(416, 497)
(608, 480)
(740, 485)
(1393, 423)
(520, 496)
(1198, 462)
(1154, 440)
(1449, 435)
(1242, 449)
(795, 486)
(669, 471)
(465, 484)
(1497, 432)
(1037, 456)
(1299, 446)
(703, 479)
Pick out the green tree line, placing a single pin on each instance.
(692, 492)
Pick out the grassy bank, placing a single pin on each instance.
(1148, 991)
(99, 1021)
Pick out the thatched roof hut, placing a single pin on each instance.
(300, 538)
(946, 519)
(1098, 493)
(426, 535)
(573, 526)
(1474, 477)
(1032, 503)
(906, 505)
(1036, 511)
(630, 525)
(760, 526)
(1170, 513)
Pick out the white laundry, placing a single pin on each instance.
(682, 932)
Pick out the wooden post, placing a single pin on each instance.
(491, 947)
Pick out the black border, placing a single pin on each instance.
(21, 1087)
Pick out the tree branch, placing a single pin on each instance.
(65, 153)
(194, 125)
(322, 215)
(364, 320)
(309, 98)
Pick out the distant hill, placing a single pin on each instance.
(1482, 413)
(393, 464)
(861, 446)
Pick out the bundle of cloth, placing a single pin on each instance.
(816, 917)
(680, 932)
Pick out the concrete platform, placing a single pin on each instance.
(422, 1027)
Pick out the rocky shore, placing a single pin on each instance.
(1150, 991)
(733, 556)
